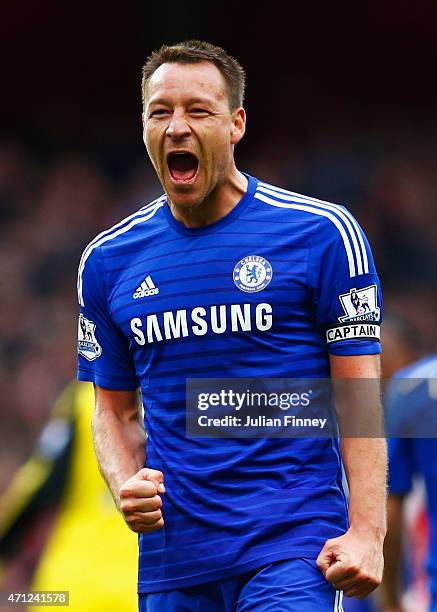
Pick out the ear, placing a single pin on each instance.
(144, 131)
(238, 125)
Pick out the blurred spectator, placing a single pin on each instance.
(409, 406)
(411, 402)
(52, 511)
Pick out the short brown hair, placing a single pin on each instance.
(193, 52)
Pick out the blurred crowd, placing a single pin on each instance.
(51, 206)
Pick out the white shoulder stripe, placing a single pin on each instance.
(147, 213)
(333, 208)
(139, 212)
(322, 213)
(348, 219)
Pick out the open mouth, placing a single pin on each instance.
(183, 167)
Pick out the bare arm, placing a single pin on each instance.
(365, 459)
(354, 562)
(119, 441)
(119, 437)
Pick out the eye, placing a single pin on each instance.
(199, 111)
(159, 112)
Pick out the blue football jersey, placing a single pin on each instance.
(411, 412)
(268, 290)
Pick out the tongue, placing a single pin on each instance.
(182, 166)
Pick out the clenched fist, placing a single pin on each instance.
(353, 563)
(140, 503)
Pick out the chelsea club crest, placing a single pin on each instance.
(252, 273)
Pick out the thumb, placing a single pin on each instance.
(336, 571)
(154, 476)
(325, 559)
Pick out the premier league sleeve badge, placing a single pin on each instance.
(87, 344)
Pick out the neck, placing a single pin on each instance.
(218, 203)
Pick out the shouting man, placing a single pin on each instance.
(229, 523)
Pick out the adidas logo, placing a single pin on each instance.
(146, 289)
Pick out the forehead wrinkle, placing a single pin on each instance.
(193, 100)
(173, 77)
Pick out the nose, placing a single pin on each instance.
(178, 127)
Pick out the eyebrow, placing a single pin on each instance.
(195, 100)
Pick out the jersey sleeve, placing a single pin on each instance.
(346, 288)
(103, 351)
